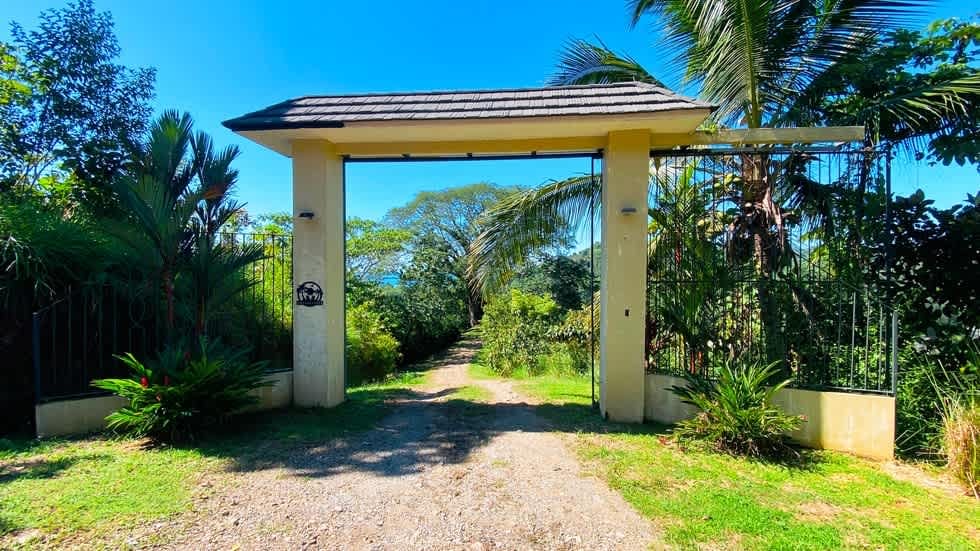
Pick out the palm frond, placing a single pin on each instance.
(583, 62)
(527, 220)
(750, 55)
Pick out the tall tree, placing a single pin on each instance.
(373, 249)
(753, 58)
(452, 217)
(917, 90)
(84, 112)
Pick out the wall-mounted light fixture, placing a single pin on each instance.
(308, 215)
(627, 210)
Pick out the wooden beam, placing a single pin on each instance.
(761, 136)
(588, 144)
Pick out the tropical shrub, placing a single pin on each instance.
(574, 337)
(934, 287)
(961, 441)
(737, 415)
(515, 330)
(183, 390)
(372, 351)
(423, 315)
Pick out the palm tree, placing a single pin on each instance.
(753, 59)
(746, 56)
(176, 196)
(749, 57)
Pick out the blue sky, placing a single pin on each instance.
(221, 58)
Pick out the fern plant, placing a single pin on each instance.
(183, 391)
(737, 415)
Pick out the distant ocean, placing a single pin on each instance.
(391, 280)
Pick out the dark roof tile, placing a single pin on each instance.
(598, 99)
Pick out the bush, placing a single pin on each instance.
(574, 339)
(372, 352)
(183, 391)
(961, 443)
(515, 331)
(927, 381)
(423, 318)
(958, 395)
(736, 411)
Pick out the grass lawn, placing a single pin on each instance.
(706, 500)
(471, 393)
(72, 492)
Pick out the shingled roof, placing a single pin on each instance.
(558, 101)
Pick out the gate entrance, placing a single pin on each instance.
(621, 121)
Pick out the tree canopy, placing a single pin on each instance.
(451, 220)
(65, 103)
(919, 90)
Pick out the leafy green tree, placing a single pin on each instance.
(934, 285)
(452, 217)
(374, 249)
(426, 310)
(11, 88)
(920, 91)
(566, 279)
(76, 108)
(935, 274)
(276, 223)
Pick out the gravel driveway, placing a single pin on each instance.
(436, 473)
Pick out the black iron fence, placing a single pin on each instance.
(75, 339)
(772, 254)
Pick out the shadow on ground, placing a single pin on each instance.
(43, 467)
(398, 431)
(391, 432)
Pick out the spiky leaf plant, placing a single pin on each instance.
(183, 390)
(737, 415)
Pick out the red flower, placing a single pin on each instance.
(144, 382)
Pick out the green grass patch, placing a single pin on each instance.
(708, 500)
(94, 485)
(471, 393)
(86, 492)
(556, 389)
(481, 372)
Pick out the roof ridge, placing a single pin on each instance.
(631, 84)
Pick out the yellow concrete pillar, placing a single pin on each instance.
(625, 180)
(318, 257)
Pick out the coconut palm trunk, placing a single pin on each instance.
(763, 221)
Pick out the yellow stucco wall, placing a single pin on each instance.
(74, 416)
(88, 414)
(861, 424)
(278, 395)
(661, 405)
(318, 256)
(626, 178)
